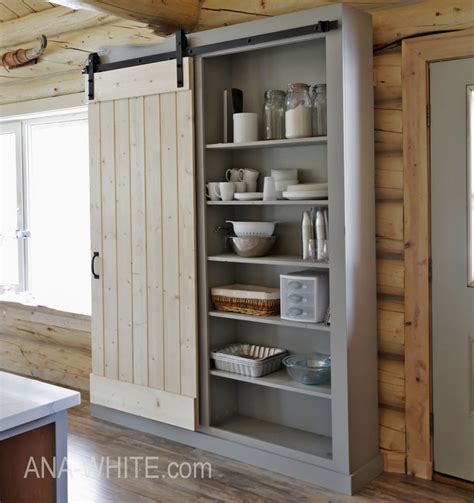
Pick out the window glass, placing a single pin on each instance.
(9, 256)
(59, 214)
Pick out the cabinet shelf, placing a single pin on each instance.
(295, 142)
(279, 380)
(279, 202)
(270, 320)
(269, 436)
(280, 260)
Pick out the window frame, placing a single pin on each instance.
(15, 127)
(21, 126)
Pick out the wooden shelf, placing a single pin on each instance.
(279, 380)
(270, 320)
(282, 260)
(274, 437)
(296, 142)
(279, 202)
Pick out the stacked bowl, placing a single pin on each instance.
(283, 178)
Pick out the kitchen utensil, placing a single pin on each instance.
(234, 175)
(240, 187)
(309, 368)
(225, 190)
(248, 359)
(306, 232)
(285, 174)
(301, 195)
(248, 196)
(211, 191)
(237, 101)
(245, 127)
(269, 191)
(307, 186)
(246, 229)
(253, 246)
(247, 299)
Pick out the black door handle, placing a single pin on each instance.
(94, 256)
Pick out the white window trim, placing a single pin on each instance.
(21, 125)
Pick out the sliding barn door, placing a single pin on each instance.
(144, 329)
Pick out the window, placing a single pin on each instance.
(45, 224)
(470, 185)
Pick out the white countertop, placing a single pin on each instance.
(23, 400)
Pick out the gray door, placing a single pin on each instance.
(452, 288)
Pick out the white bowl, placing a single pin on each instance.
(306, 186)
(247, 229)
(285, 174)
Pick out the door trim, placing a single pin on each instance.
(416, 56)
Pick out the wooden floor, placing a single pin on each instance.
(231, 481)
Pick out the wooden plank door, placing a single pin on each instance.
(144, 328)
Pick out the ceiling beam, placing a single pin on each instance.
(165, 16)
(51, 22)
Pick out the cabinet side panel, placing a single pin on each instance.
(359, 188)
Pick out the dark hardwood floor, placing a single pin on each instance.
(91, 439)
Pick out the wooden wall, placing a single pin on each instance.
(389, 25)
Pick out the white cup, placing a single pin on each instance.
(245, 127)
(211, 191)
(225, 190)
(240, 187)
(234, 175)
(251, 186)
(285, 174)
(249, 175)
(269, 191)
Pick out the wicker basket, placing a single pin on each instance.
(247, 299)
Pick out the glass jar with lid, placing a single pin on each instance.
(298, 111)
(319, 110)
(274, 115)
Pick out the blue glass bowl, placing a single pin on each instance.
(309, 368)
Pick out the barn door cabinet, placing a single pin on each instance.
(154, 146)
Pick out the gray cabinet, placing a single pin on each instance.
(327, 434)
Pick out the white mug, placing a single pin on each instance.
(269, 191)
(245, 127)
(211, 191)
(240, 186)
(251, 186)
(234, 175)
(225, 190)
(249, 175)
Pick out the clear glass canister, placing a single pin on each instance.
(274, 115)
(319, 110)
(298, 112)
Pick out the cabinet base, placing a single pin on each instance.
(324, 477)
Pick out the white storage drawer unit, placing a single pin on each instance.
(304, 296)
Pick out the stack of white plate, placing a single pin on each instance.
(303, 191)
(284, 178)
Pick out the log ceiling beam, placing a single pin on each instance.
(165, 16)
(51, 22)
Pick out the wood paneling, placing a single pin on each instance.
(149, 329)
(391, 382)
(392, 429)
(390, 276)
